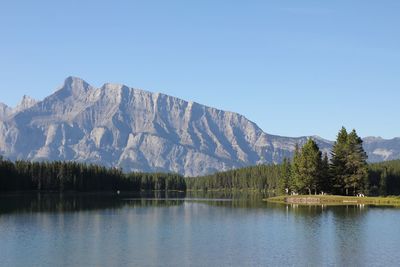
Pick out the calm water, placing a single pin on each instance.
(70, 230)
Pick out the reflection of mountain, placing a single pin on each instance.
(141, 131)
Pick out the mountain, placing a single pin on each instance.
(137, 130)
(25, 103)
(4, 110)
(380, 149)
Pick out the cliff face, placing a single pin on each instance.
(139, 131)
(4, 111)
(380, 149)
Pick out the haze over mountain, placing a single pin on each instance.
(115, 125)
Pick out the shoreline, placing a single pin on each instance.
(335, 200)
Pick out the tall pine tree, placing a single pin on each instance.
(307, 168)
(325, 181)
(285, 179)
(355, 178)
(349, 167)
(338, 162)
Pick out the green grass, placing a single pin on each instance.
(336, 200)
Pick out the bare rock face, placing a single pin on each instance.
(4, 111)
(140, 131)
(25, 103)
(380, 149)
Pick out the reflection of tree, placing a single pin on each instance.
(229, 199)
(81, 202)
(320, 210)
(70, 202)
(325, 235)
(348, 235)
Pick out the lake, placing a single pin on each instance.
(192, 230)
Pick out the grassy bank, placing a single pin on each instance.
(336, 200)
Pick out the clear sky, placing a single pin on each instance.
(293, 67)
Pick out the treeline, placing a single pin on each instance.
(384, 178)
(345, 172)
(260, 178)
(73, 176)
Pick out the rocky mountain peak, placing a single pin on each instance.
(119, 126)
(373, 139)
(25, 103)
(73, 87)
(4, 110)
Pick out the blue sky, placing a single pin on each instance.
(293, 67)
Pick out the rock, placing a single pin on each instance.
(142, 131)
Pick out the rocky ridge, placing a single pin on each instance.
(137, 130)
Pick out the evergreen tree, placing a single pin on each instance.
(294, 185)
(307, 168)
(285, 179)
(349, 167)
(383, 182)
(325, 182)
(356, 170)
(338, 162)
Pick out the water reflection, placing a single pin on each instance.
(72, 202)
(192, 229)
